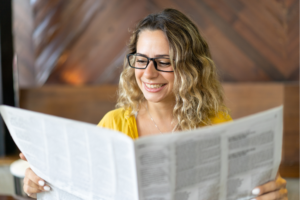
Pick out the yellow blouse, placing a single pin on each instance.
(120, 120)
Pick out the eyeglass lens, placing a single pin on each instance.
(141, 62)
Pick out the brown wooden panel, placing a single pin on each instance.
(250, 40)
(7, 160)
(246, 99)
(291, 125)
(289, 171)
(88, 104)
(6, 197)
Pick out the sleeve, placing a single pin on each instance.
(119, 120)
(107, 121)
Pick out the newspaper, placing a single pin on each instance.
(82, 161)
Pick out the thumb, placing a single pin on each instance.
(22, 156)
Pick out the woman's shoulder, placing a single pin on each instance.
(221, 117)
(119, 113)
(120, 120)
(115, 116)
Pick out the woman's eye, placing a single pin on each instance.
(164, 64)
(141, 61)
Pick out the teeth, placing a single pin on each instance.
(154, 86)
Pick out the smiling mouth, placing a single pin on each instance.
(154, 86)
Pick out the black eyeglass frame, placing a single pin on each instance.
(148, 61)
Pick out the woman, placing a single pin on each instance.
(169, 83)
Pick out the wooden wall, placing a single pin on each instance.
(78, 42)
(89, 104)
(83, 42)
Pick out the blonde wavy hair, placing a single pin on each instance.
(198, 92)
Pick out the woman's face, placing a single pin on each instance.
(156, 86)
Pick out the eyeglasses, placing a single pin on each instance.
(138, 61)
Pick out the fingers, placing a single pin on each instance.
(276, 195)
(272, 190)
(36, 188)
(34, 184)
(270, 186)
(33, 177)
(22, 156)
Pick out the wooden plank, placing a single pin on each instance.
(264, 32)
(7, 160)
(250, 98)
(274, 39)
(269, 19)
(295, 74)
(219, 45)
(236, 5)
(291, 125)
(240, 42)
(258, 43)
(276, 8)
(289, 171)
(102, 44)
(88, 104)
(158, 5)
(199, 18)
(5, 197)
(223, 9)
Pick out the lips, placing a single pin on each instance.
(154, 87)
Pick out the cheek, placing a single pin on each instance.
(138, 76)
(170, 79)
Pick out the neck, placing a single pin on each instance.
(162, 112)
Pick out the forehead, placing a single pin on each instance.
(152, 42)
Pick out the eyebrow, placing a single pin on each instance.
(156, 56)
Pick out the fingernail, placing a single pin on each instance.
(255, 191)
(47, 188)
(28, 194)
(41, 182)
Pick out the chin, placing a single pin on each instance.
(157, 98)
(153, 98)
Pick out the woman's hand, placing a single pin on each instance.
(272, 190)
(32, 183)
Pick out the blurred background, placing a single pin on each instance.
(64, 57)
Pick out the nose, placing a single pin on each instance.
(150, 71)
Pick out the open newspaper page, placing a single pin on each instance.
(79, 160)
(224, 161)
(254, 152)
